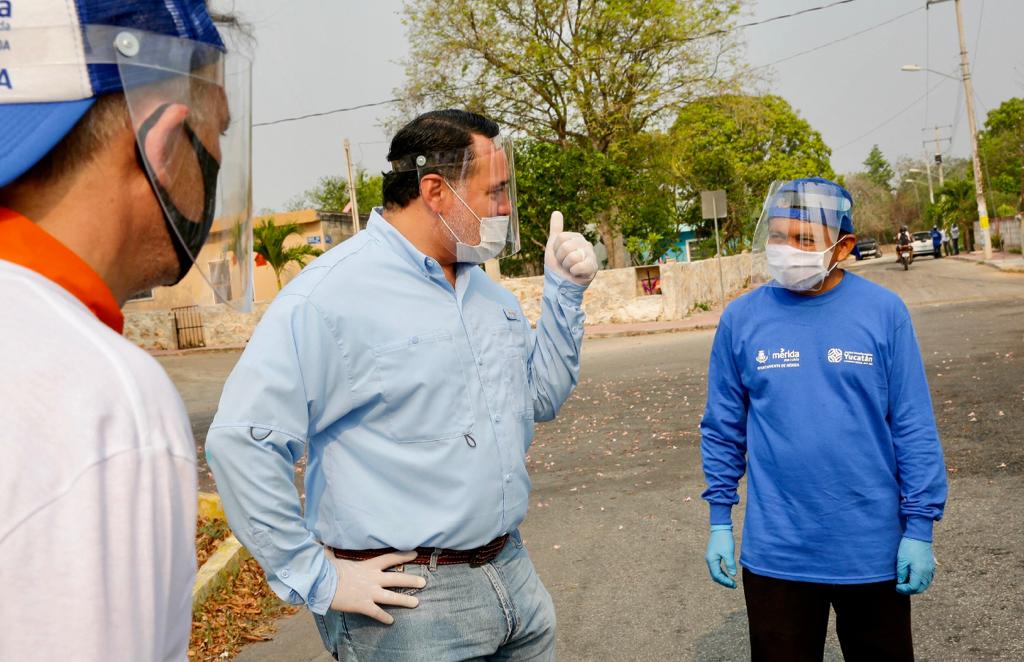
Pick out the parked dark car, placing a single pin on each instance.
(867, 247)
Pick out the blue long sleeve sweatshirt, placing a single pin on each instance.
(823, 401)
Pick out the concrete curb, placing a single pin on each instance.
(1008, 268)
(628, 333)
(226, 560)
(218, 570)
(196, 350)
(210, 506)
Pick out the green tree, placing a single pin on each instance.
(584, 183)
(879, 169)
(331, 193)
(741, 144)
(873, 213)
(593, 74)
(1001, 143)
(955, 203)
(268, 241)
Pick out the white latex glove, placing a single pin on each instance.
(569, 254)
(362, 585)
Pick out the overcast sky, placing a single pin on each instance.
(313, 56)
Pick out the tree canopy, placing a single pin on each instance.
(878, 169)
(741, 144)
(592, 75)
(331, 193)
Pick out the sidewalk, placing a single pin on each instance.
(1012, 262)
(698, 322)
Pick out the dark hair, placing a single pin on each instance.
(436, 131)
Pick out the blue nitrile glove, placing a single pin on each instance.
(721, 549)
(915, 566)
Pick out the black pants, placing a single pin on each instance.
(789, 620)
(956, 245)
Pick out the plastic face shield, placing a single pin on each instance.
(799, 226)
(201, 174)
(481, 195)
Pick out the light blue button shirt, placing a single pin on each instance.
(413, 401)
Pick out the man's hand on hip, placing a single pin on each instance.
(569, 254)
(362, 585)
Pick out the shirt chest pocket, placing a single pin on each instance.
(424, 387)
(507, 367)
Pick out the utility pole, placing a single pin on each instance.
(352, 188)
(939, 139)
(965, 73)
(928, 169)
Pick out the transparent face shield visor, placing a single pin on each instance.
(478, 212)
(797, 233)
(189, 104)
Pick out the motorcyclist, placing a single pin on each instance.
(903, 243)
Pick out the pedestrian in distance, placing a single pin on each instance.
(833, 425)
(947, 249)
(412, 382)
(116, 155)
(936, 241)
(954, 234)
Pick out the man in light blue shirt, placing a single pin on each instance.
(411, 381)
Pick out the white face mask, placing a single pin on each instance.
(493, 236)
(798, 270)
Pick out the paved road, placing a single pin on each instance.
(617, 529)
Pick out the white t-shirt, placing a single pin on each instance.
(97, 487)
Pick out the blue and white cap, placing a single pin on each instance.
(188, 97)
(50, 75)
(815, 200)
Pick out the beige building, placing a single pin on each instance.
(322, 230)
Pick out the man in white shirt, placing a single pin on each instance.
(109, 159)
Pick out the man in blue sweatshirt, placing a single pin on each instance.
(816, 387)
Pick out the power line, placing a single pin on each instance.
(840, 40)
(713, 33)
(894, 117)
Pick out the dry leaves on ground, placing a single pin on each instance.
(242, 611)
(209, 534)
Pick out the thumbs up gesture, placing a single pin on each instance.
(568, 254)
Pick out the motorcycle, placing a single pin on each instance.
(905, 255)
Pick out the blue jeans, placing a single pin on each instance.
(499, 611)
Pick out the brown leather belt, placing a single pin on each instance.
(426, 555)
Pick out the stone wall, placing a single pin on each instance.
(615, 297)
(222, 327)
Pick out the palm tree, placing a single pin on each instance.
(268, 242)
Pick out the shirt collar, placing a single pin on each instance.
(24, 243)
(380, 228)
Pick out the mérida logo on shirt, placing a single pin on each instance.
(782, 358)
(837, 355)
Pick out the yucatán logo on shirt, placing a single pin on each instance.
(837, 355)
(782, 358)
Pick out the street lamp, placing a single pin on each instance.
(965, 76)
(917, 67)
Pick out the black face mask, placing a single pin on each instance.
(187, 235)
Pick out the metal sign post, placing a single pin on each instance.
(713, 206)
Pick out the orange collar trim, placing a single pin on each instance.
(26, 244)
